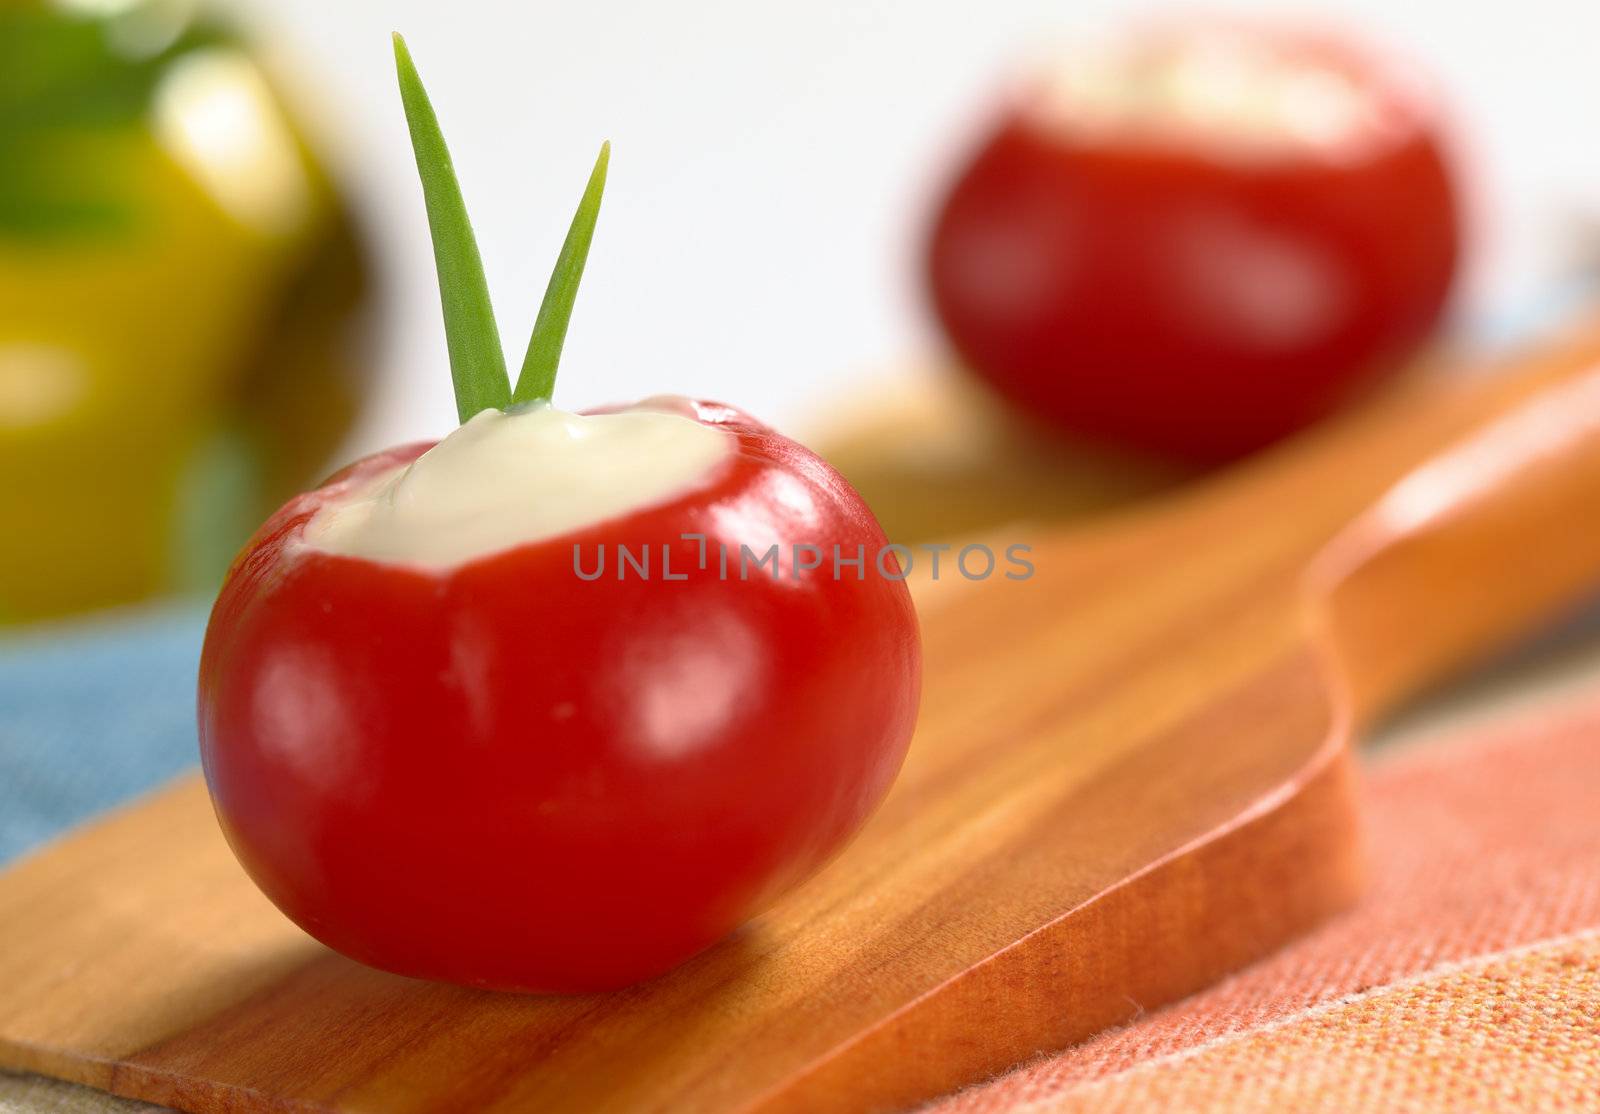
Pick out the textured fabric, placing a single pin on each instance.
(1477, 847)
(93, 712)
(32, 1094)
(1519, 1031)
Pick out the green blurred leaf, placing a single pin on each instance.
(62, 76)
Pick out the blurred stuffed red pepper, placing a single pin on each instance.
(1197, 239)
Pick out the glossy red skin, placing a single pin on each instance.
(1124, 289)
(504, 776)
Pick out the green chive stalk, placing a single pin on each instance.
(477, 358)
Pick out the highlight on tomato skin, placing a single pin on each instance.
(1195, 241)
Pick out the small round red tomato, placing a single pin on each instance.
(562, 699)
(502, 773)
(1195, 241)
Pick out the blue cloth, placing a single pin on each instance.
(93, 712)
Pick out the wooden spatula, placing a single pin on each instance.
(1131, 776)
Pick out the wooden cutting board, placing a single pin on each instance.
(1131, 776)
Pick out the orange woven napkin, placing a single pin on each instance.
(1468, 978)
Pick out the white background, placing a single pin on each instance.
(773, 166)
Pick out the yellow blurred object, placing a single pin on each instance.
(172, 371)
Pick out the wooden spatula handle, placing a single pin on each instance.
(1472, 549)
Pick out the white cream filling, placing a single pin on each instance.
(1220, 86)
(503, 480)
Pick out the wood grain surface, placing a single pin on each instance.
(1131, 776)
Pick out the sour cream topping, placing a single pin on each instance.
(505, 479)
(1248, 95)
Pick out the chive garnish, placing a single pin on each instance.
(477, 360)
(538, 377)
